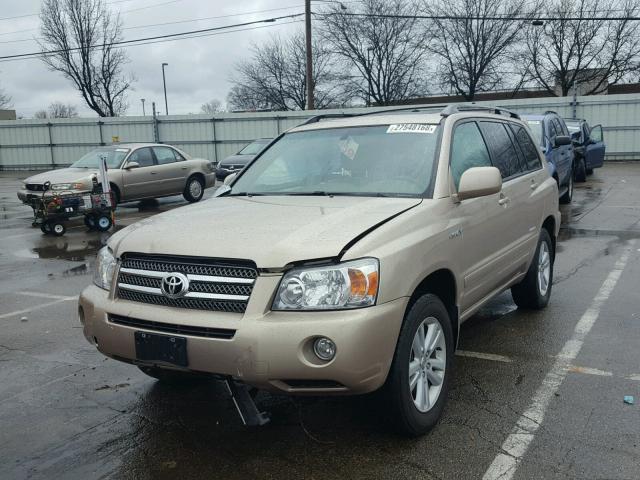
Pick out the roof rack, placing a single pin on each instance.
(416, 109)
(451, 109)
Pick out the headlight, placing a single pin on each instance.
(67, 186)
(345, 285)
(104, 269)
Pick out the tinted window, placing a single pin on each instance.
(528, 148)
(467, 150)
(143, 156)
(503, 153)
(164, 155)
(561, 129)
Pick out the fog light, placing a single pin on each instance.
(324, 348)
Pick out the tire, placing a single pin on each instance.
(116, 195)
(103, 223)
(172, 376)
(57, 229)
(566, 198)
(428, 312)
(90, 222)
(194, 190)
(589, 171)
(530, 293)
(580, 171)
(45, 228)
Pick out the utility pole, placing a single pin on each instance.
(143, 112)
(307, 26)
(164, 83)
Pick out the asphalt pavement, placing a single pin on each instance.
(535, 395)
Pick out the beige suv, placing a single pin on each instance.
(136, 171)
(343, 259)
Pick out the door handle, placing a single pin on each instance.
(183, 168)
(153, 173)
(503, 200)
(534, 185)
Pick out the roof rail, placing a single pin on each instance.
(451, 109)
(415, 108)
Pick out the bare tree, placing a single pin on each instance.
(41, 114)
(77, 40)
(212, 107)
(5, 100)
(473, 51)
(274, 78)
(382, 56)
(576, 48)
(57, 110)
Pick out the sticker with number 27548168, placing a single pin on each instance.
(412, 128)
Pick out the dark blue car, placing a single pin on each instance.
(554, 139)
(588, 145)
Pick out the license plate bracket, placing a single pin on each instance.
(161, 348)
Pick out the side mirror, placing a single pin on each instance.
(222, 189)
(131, 165)
(479, 182)
(229, 178)
(561, 140)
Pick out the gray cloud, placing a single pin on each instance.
(198, 70)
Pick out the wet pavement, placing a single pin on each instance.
(68, 412)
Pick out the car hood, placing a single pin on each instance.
(237, 160)
(63, 175)
(271, 231)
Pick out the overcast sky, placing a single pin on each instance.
(198, 68)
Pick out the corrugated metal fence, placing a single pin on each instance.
(35, 144)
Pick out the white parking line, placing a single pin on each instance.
(37, 307)
(516, 444)
(483, 356)
(43, 295)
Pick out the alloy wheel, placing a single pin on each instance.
(544, 268)
(427, 364)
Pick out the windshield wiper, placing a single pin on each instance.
(248, 194)
(316, 193)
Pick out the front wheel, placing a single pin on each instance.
(421, 371)
(194, 190)
(534, 290)
(58, 229)
(103, 223)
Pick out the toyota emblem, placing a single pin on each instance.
(174, 285)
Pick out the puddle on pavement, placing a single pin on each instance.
(567, 233)
(66, 248)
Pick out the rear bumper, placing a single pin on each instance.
(268, 349)
(209, 180)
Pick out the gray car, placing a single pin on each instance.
(136, 171)
(237, 162)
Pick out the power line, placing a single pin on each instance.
(182, 38)
(148, 39)
(108, 3)
(505, 17)
(159, 24)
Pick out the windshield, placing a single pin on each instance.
(536, 128)
(254, 147)
(574, 127)
(385, 160)
(114, 157)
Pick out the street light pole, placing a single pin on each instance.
(143, 112)
(307, 26)
(164, 83)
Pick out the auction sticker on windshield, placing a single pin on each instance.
(412, 128)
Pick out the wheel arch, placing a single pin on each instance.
(116, 191)
(442, 283)
(549, 225)
(199, 175)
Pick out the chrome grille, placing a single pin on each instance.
(213, 285)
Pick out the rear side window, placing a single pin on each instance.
(467, 150)
(164, 155)
(503, 153)
(527, 147)
(143, 156)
